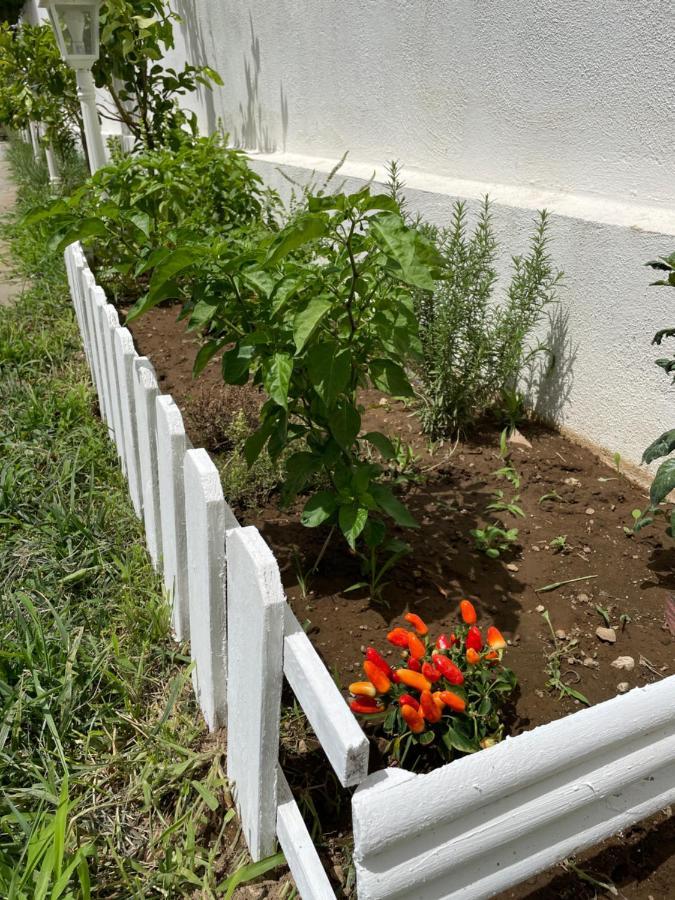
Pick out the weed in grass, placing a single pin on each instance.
(562, 648)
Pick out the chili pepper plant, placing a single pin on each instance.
(447, 695)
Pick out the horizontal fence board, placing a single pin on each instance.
(125, 354)
(171, 447)
(295, 840)
(486, 822)
(145, 391)
(340, 735)
(205, 529)
(255, 634)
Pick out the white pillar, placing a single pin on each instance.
(51, 164)
(86, 93)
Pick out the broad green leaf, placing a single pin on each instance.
(662, 446)
(82, 230)
(389, 377)
(381, 443)
(202, 314)
(299, 469)
(204, 357)
(169, 290)
(307, 319)
(352, 519)
(255, 443)
(663, 483)
(456, 740)
(299, 231)
(277, 377)
(427, 737)
(329, 370)
(392, 507)
(345, 424)
(236, 364)
(171, 265)
(319, 509)
(414, 259)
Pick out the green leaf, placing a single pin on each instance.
(389, 377)
(427, 737)
(392, 507)
(381, 443)
(202, 314)
(352, 519)
(254, 444)
(299, 231)
(319, 509)
(82, 230)
(250, 873)
(455, 739)
(307, 319)
(204, 357)
(329, 370)
(662, 446)
(345, 424)
(236, 364)
(663, 483)
(413, 258)
(299, 469)
(277, 373)
(171, 265)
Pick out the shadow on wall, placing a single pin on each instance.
(197, 56)
(254, 133)
(550, 374)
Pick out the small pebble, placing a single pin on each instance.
(560, 634)
(512, 567)
(586, 549)
(540, 608)
(572, 482)
(583, 598)
(606, 634)
(627, 663)
(591, 663)
(539, 693)
(590, 511)
(623, 687)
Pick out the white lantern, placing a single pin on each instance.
(75, 24)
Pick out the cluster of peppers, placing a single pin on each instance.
(430, 686)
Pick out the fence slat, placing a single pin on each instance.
(79, 266)
(88, 285)
(206, 514)
(145, 391)
(255, 631)
(303, 860)
(125, 354)
(491, 820)
(171, 447)
(110, 323)
(340, 735)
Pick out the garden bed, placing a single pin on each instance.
(632, 575)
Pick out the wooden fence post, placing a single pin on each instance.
(145, 391)
(110, 323)
(125, 354)
(255, 633)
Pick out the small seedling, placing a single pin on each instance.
(494, 540)
(552, 495)
(561, 648)
(499, 504)
(617, 461)
(624, 619)
(559, 544)
(604, 615)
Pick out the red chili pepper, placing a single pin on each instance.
(416, 623)
(413, 679)
(429, 707)
(446, 643)
(413, 719)
(495, 639)
(414, 664)
(468, 612)
(448, 669)
(408, 700)
(472, 656)
(453, 701)
(492, 656)
(430, 672)
(362, 689)
(474, 639)
(398, 637)
(365, 706)
(377, 676)
(416, 647)
(373, 656)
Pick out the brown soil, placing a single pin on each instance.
(629, 577)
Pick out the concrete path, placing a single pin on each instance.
(10, 286)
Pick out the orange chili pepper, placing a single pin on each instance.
(398, 637)
(413, 679)
(472, 656)
(429, 707)
(417, 623)
(377, 677)
(453, 701)
(408, 700)
(474, 639)
(468, 612)
(413, 719)
(416, 647)
(380, 661)
(362, 689)
(365, 706)
(495, 639)
(492, 656)
(430, 672)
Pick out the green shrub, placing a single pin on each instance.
(247, 487)
(474, 348)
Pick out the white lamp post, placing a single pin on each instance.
(75, 24)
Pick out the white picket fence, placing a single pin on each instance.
(467, 830)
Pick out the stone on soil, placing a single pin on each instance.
(606, 634)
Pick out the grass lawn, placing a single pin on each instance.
(109, 785)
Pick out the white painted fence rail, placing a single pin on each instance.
(468, 830)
